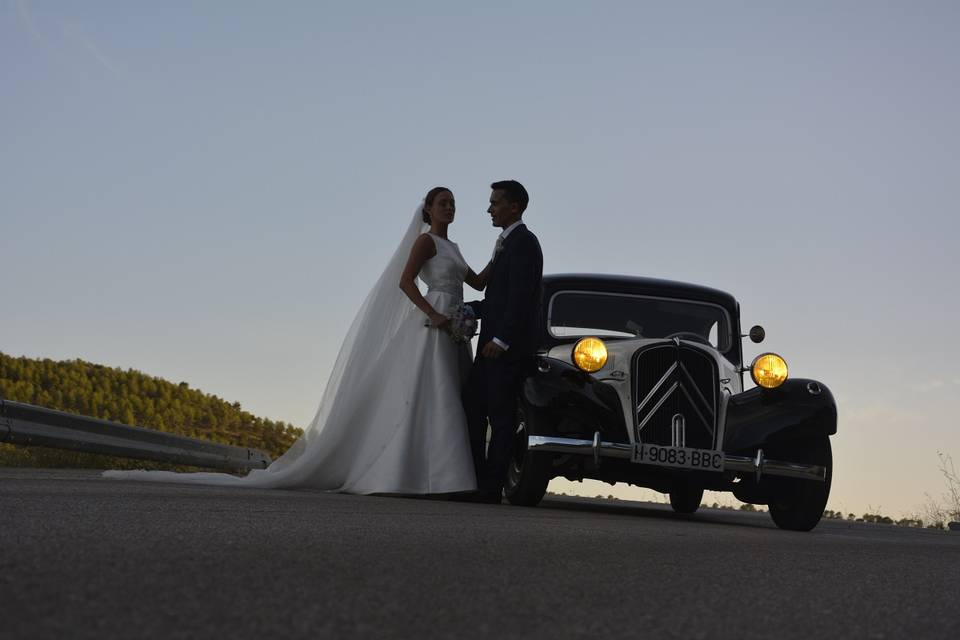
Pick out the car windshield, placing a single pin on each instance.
(612, 315)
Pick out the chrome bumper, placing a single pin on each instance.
(757, 466)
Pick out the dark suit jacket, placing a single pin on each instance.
(510, 310)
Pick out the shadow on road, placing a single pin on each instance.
(664, 512)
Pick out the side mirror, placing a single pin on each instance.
(757, 334)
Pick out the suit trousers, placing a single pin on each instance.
(491, 397)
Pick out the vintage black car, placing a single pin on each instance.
(640, 380)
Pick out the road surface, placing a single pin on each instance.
(83, 557)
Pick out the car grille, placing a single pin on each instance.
(675, 396)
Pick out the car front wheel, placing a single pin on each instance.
(798, 504)
(686, 498)
(529, 471)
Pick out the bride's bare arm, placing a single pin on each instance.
(423, 249)
(478, 280)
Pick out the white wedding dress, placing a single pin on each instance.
(390, 420)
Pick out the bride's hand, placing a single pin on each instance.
(439, 321)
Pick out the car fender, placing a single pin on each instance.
(798, 409)
(567, 401)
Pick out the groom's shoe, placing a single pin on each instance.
(465, 496)
(482, 497)
(489, 497)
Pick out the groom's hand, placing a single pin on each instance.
(491, 350)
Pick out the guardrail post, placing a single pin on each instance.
(5, 426)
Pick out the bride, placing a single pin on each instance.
(390, 419)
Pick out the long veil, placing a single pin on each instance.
(323, 456)
(373, 329)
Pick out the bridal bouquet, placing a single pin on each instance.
(463, 323)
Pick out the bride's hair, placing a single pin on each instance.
(428, 201)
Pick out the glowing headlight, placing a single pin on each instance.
(590, 354)
(769, 370)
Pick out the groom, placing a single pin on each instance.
(509, 316)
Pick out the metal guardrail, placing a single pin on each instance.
(27, 424)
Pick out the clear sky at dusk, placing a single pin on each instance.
(206, 192)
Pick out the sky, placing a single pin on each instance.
(205, 192)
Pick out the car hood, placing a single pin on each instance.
(620, 353)
(617, 373)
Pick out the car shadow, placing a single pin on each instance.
(659, 511)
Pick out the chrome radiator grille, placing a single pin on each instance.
(675, 396)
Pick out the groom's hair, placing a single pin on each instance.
(428, 201)
(514, 192)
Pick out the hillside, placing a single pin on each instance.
(130, 397)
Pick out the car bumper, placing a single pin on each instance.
(757, 466)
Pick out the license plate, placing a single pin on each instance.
(680, 457)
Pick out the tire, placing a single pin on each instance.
(799, 504)
(529, 472)
(686, 499)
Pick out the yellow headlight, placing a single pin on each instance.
(769, 370)
(590, 354)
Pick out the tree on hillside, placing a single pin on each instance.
(129, 397)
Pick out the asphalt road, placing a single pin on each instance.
(82, 557)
